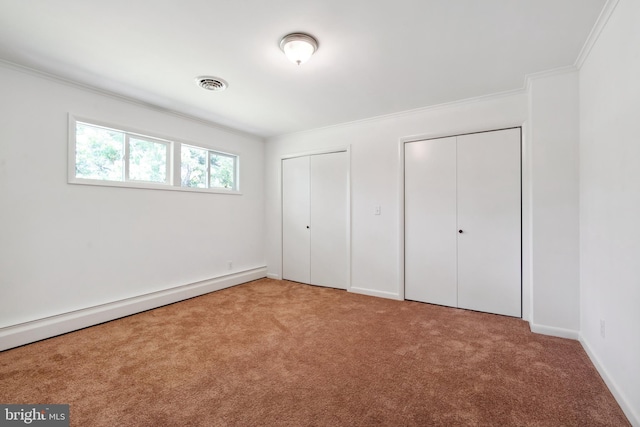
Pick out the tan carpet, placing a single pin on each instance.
(276, 353)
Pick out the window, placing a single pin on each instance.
(222, 170)
(112, 155)
(101, 155)
(148, 160)
(202, 168)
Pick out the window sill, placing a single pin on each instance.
(150, 186)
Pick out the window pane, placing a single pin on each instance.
(99, 153)
(193, 170)
(147, 160)
(222, 171)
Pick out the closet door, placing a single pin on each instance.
(315, 219)
(296, 241)
(430, 221)
(489, 250)
(463, 222)
(329, 257)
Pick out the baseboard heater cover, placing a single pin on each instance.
(36, 330)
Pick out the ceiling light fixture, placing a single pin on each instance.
(298, 47)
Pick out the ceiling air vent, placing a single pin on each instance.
(211, 83)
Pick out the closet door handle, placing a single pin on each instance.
(459, 231)
(307, 226)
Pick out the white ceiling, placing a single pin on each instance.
(375, 57)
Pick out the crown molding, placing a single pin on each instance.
(114, 95)
(529, 78)
(405, 113)
(601, 22)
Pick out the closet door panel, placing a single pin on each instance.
(430, 221)
(489, 204)
(296, 246)
(329, 209)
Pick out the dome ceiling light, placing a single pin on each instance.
(298, 47)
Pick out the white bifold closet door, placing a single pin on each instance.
(296, 210)
(463, 222)
(314, 219)
(430, 222)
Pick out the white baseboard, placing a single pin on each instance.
(25, 333)
(274, 276)
(554, 332)
(629, 411)
(374, 293)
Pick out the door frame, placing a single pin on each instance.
(336, 149)
(525, 214)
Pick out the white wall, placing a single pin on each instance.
(610, 204)
(554, 160)
(376, 241)
(549, 114)
(67, 247)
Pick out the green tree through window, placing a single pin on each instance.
(193, 167)
(202, 168)
(128, 159)
(99, 153)
(222, 171)
(147, 160)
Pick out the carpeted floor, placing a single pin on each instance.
(276, 353)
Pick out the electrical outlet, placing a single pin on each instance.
(602, 329)
(377, 210)
(229, 265)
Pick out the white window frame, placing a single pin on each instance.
(169, 154)
(208, 173)
(236, 163)
(173, 182)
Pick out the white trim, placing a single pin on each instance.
(401, 201)
(527, 215)
(627, 408)
(374, 293)
(601, 22)
(348, 218)
(128, 99)
(457, 103)
(28, 332)
(173, 182)
(463, 130)
(458, 131)
(400, 114)
(547, 73)
(165, 187)
(274, 276)
(321, 151)
(554, 332)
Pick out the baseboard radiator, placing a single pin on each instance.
(36, 330)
